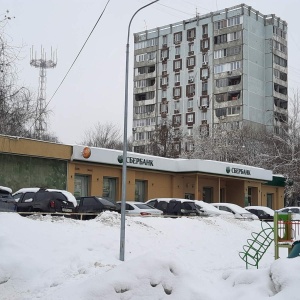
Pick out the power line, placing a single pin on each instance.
(77, 55)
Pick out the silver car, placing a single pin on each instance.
(139, 209)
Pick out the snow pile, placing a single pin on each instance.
(165, 258)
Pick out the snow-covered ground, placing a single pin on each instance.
(165, 258)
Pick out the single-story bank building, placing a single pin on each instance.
(97, 171)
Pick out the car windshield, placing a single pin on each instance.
(189, 205)
(105, 202)
(143, 206)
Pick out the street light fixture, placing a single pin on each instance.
(124, 168)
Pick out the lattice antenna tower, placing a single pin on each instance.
(40, 124)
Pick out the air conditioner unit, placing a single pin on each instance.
(191, 80)
(205, 63)
(204, 77)
(229, 72)
(222, 117)
(204, 106)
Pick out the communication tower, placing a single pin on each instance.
(40, 124)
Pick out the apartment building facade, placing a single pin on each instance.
(225, 68)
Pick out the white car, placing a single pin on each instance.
(139, 209)
(238, 211)
(295, 210)
(208, 209)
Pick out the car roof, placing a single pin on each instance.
(70, 197)
(170, 199)
(233, 206)
(264, 208)
(6, 189)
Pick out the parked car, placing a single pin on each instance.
(139, 209)
(93, 205)
(7, 202)
(295, 210)
(264, 213)
(175, 206)
(236, 210)
(209, 210)
(44, 200)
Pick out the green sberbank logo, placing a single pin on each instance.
(136, 161)
(238, 171)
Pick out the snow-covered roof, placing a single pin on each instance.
(7, 189)
(68, 195)
(266, 209)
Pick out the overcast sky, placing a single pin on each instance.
(94, 89)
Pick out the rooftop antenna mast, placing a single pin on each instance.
(40, 124)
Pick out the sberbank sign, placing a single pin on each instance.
(238, 171)
(136, 161)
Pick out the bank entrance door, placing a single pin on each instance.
(140, 190)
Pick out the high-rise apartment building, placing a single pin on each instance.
(225, 68)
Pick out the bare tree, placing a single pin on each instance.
(106, 135)
(165, 141)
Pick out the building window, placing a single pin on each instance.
(205, 58)
(234, 21)
(233, 36)
(190, 103)
(280, 61)
(204, 101)
(164, 108)
(235, 65)
(220, 24)
(139, 136)
(220, 39)
(205, 44)
(233, 110)
(176, 107)
(191, 76)
(191, 34)
(205, 29)
(177, 77)
(190, 118)
(165, 40)
(164, 67)
(280, 75)
(221, 97)
(190, 90)
(204, 86)
(190, 62)
(164, 54)
(140, 190)
(279, 32)
(204, 73)
(222, 82)
(109, 189)
(189, 146)
(177, 37)
(177, 65)
(220, 53)
(177, 92)
(176, 120)
(165, 80)
(177, 50)
(270, 200)
(190, 131)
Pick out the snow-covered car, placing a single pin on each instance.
(209, 210)
(44, 200)
(7, 202)
(264, 213)
(294, 210)
(176, 206)
(139, 209)
(238, 211)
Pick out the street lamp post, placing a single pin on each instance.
(124, 168)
